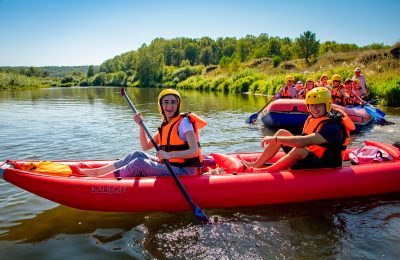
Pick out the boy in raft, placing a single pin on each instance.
(326, 134)
(323, 81)
(310, 84)
(362, 83)
(288, 90)
(178, 140)
(354, 99)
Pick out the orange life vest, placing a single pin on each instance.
(349, 101)
(169, 140)
(358, 91)
(285, 92)
(337, 97)
(313, 125)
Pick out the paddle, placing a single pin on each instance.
(253, 118)
(200, 215)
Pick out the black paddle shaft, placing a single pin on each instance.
(197, 211)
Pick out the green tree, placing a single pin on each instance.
(206, 56)
(274, 47)
(308, 45)
(90, 71)
(150, 67)
(243, 48)
(192, 53)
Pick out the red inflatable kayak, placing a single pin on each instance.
(232, 189)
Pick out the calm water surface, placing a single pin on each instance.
(96, 123)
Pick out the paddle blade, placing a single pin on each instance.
(252, 119)
(199, 214)
(374, 112)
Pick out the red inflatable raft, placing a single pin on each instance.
(210, 191)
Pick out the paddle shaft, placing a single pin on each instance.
(266, 105)
(252, 119)
(194, 207)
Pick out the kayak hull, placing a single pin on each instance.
(139, 194)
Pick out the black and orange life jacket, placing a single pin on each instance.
(313, 125)
(337, 97)
(169, 140)
(349, 101)
(285, 92)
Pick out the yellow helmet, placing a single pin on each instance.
(168, 91)
(336, 77)
(289, 77)
(357, 80)
(310, 80)
(319, 95)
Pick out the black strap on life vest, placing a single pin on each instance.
(169, 148)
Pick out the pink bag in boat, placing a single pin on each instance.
(369, 154)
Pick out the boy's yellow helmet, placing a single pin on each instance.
(289, 77)
(336, 77)
(310, 80)
(319, 95)
(168, 91)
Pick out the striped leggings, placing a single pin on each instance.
(142, 164)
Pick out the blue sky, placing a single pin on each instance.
(85, 32)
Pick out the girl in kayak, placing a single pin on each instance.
(178, 140)
(326, 134)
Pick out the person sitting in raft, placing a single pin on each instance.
(299, 86)
(323, 81)
(326, 134)
(329, 83)
(310, 84)
(354, 99)
(339, 95)
(358, 89)
(178, 140)
(288, 90)
(362, 84)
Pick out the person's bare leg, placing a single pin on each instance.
(288, 160)
(94, 172)
(270, 150)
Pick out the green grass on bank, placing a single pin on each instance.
(259, 76)
(382, 74)
(10, 80)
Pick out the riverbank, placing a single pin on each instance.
(257, 76)
(261, 77)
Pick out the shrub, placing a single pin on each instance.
(276, 60)
(242, 84)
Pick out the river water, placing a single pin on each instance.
(96, 123)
